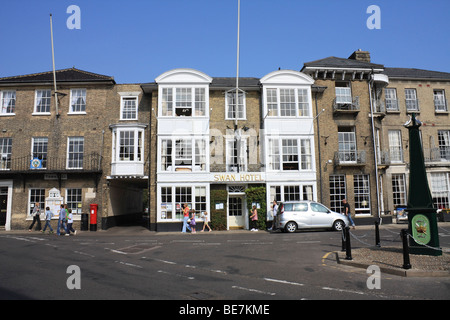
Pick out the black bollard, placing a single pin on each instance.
(348, 248)
(406, 263)
(343, 240)
(377, 234)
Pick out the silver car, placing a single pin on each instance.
(295, 215)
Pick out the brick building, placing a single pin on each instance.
(333, 130)
(362, 146)
(74, 154)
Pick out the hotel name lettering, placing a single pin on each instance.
(238, 177)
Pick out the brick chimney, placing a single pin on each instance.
(360, 55)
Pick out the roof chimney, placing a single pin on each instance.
(360, 55)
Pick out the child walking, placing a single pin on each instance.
(48, 217)
(70, 223)
(205, 222)
(193, 222)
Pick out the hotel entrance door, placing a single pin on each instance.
(236, 212)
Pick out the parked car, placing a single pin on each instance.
(294, 215)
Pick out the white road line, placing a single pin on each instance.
(343, 290)
(84, 254)
(130, 264)
(253, 290)
(284, 282)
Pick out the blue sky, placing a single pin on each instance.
(137, 40)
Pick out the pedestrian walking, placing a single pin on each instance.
(274, 216)
(348, 213)
(205, 222)
(254, 218)
(61, 221)
(48, 218)
(185, 218)
(70, 223)
(36, 217)
(192, 223)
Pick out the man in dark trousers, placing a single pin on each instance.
(347, 212)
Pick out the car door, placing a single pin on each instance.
(320, 216)
(302, 215)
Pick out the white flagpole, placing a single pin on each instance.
(54, 72)
(236, 101)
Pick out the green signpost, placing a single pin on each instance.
(422, 220)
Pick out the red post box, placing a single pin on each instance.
(93, 217)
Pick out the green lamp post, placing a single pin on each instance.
(422, 221)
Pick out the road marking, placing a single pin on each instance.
(343, 290)
(84, 254)
(176, 274)
(284, 282)
(130, 264)
(253, 290)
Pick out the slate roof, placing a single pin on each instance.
(64, 75)
(231, 82)
(411, 73)
(334, 62)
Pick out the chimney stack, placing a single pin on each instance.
(360, 55)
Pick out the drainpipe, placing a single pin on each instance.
(318, 144)
(374, 146)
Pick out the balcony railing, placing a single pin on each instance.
(439, 154)
(346, 107)
(384, 158)
(87, 163)
(350, 158)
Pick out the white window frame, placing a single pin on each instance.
(305, 191)
(440, 103)
(75, 142)
(362, 191)
(347, 148)
(138, 144)
(411, 101)
(41, 141)
(395, 146)
(299, 99)
(3, 106)
(391, 99)
(198, 146)
(47, 98)
(76, 210)
(440, 189)
(242, 155)
(83, 95)
(198, 101)
(399, 189)
(241, 108)
(5, 153)
(123, 100)
(278, 152)
(197, 190)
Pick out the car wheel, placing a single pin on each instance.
(338, 225)
(291, 227)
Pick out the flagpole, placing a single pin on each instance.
(54, 72)
(236, 101)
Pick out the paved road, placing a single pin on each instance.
(133, 263)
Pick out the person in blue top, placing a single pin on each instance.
(48, 217)
(61, 221)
